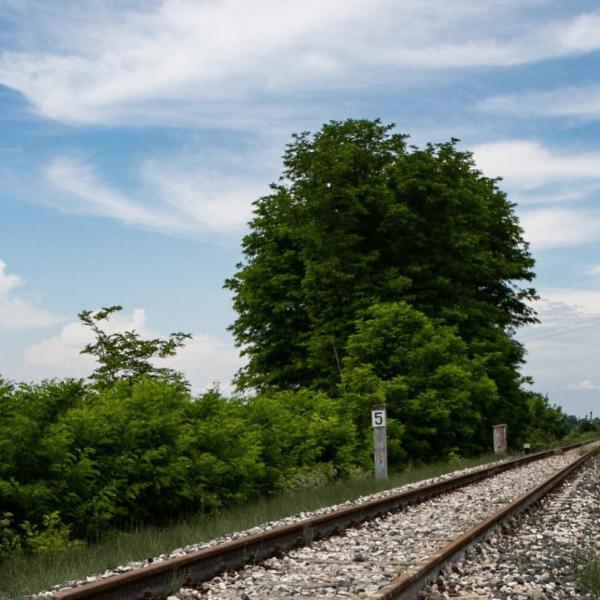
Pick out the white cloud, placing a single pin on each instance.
(184, 60)
(576, 303)
(186, 197)
(581, 34)
(555, 194)
(555, 228)
(60, 356)
(526, 164)
(7, 282)
(93, 196)
(204, 198)
(17, 313)
(204, 360)
(174, 200)
(593, 270)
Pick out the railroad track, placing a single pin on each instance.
(372, 550)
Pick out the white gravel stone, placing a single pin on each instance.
(363, 559)
(538, 555)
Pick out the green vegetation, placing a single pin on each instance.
(587, 425)
(26, 573)
(589, 573)
(375, 272)
(379, 272)
(361, 218)
(435, 395)
(147, 451)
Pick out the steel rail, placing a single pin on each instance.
(160, 578)
(407, 585)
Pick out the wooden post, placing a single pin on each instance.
(378, 420)
(500, 444)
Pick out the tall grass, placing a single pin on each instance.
(27, 574)
(590, 574)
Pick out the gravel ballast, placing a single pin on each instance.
(295, 518)
(540, 554)
(347, 583)
(363, 559)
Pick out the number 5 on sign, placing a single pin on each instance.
(379, 441)
(378, 417)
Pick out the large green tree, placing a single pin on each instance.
(359, 217)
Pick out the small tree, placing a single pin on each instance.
(126, 356)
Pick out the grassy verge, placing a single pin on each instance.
(590, 436)
(26, 574)
(589, 573)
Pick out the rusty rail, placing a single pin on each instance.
(408, 585)
(159, 579)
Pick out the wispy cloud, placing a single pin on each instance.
(562, 351)
(170, 199)
(572, 303)
(539, 178)
(582, 34)
(179, 59)
(569, 101)
(17, 313)
(93, 196)
(555, 193)
(185, 197)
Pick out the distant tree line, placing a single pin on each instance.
(374, 272)
(585, 424)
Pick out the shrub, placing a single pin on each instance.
(53, 535)
(10, 541)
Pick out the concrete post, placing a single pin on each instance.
(378, 420)
(500, 445)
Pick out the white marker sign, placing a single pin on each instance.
(379, 441)
(378, 417)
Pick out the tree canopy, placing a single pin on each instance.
(360, 217)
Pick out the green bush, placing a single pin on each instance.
(436, 396)
(77, 461)
(83, 461)
(10, 541)
(53, 535)
(302, 431)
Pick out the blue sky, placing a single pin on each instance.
(135, 135)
